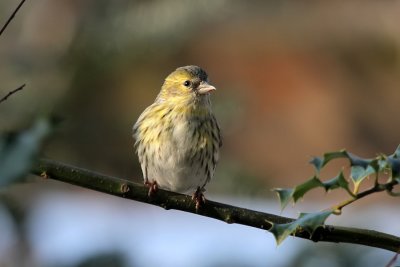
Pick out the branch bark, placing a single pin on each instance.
(227, 213)
(11, 17)
(4, 98)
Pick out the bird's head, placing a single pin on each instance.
(186, 83)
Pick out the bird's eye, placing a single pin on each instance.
(187, 83)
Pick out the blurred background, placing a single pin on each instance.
(294, 80)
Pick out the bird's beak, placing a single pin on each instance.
(205, 88)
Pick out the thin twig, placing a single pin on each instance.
(227, 213)
(393, 260)
(374, 189)
(12, 92)
(12, 16)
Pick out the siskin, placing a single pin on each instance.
(178, 137)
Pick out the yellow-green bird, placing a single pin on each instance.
(177, 137)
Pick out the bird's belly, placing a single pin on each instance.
(173, 168)
(172, 172)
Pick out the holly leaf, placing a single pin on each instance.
(383, 164)
(358, 174)
(18, 151)
(320, 162)
(362, 168)
(317, 162)
(308, 222)
(394, 165)
(337, 182)
(286, 194)
(300, 190)
(396, 153)
(358, 161)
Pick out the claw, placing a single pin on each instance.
(153, 187)
(199, 198)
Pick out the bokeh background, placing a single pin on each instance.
(294, 79)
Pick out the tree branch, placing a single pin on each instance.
(11, 17)
(4, 98)
(374, 189)
(227, 213)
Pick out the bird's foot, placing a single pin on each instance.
(153, 187)
(199, 198)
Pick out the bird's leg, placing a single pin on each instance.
(199, 198)
(153, 187)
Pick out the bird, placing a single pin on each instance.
(178, 138)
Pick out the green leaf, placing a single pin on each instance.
(311, 221)
(359, 173)
(282, 231)
(375, 164)
(303, 188)
(383, 164)
(319, 162)
(337, 182)
(362, 168)
(394, 165)
(335, 155)
(307, 221)
(18, 151)
(284, 195)
(396, 153)
(358, 161)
